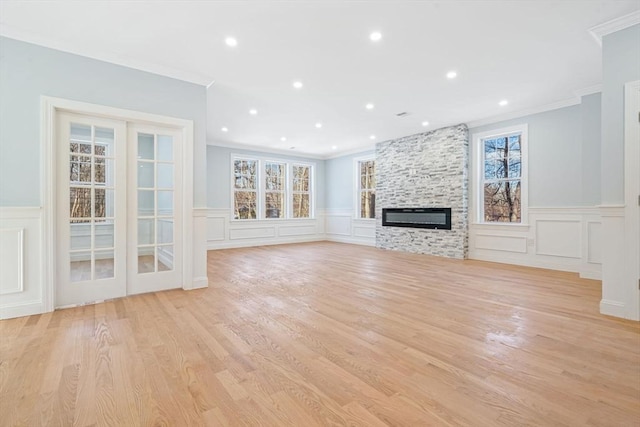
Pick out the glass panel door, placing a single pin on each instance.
(91, 213)
(155, 203)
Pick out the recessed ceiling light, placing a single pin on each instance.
(369, 106)
(253, 111)
(334, 147)
(452, 75)
(231, 42)
(318, 125)
(375, 36)
(283, 139)
(425, 123)
(224, 129)
(503, 103)
(297, 84)
(372, 137)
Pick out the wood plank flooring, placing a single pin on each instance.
(328, 334)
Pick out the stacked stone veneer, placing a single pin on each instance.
(427, 170)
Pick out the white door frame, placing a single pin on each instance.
(632, 191)
(49, 107)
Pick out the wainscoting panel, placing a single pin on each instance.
(501, 243)
(223, 232)
(11, 260)
(342, 226)
(21, 262)
(558, 238)
(566, 239)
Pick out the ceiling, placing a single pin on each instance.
(530, 53)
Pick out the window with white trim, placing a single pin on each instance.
(271, 189)
(501, 179)
(245, 189)
(275, 179)
(301, 191)
(366, 186)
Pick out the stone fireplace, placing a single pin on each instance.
(427, 170)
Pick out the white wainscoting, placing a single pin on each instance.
(566, 239)
(223, 232)
(342, 226)
(21, 262)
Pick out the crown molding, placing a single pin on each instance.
(105, 56)
(359, 150)
(590, 90)
(601, 30)
(521, 113)
(260, 149)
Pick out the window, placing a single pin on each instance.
(366, 184)
(502, 182)
(274, 189)
(301, 191)
(245, 196)
(271, 189)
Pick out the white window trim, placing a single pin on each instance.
(356, 181)
(261, 190)
(312, 190)
(478, 168)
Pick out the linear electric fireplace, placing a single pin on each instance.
(435, 218)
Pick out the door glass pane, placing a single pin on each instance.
(165, 175)
(165, 148)
(156, 182)
(145, 175)
(145, 147)
(104, 234)
(79, 202)
(146, 203)
(146, 260)
(104, 264)
(146, 231)
(100, 202)
(80, 236)
(105, 142)
(80, 263)
(165, 230)
(165, 203)
(165, 258)
(91, 202)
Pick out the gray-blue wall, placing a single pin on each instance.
(340, 183)
(620, 64)
(556, 145)
(590, 116)
(28, 71)
(219, 174)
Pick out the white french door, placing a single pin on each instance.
(91, 209)
(154, 209)
(118, 216)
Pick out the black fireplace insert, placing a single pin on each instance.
(434, 218)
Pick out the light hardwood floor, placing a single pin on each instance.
(327, 334)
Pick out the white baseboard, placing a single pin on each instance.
(351, 240)
(23, 309)
(613, 308)
(232, 244)
(200, 282)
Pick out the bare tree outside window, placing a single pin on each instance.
(274, 190)
(301, 191)
(367, 188)
(245, 174)
(502, 178)
(85, 169)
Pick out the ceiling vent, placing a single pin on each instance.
(403, 114)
